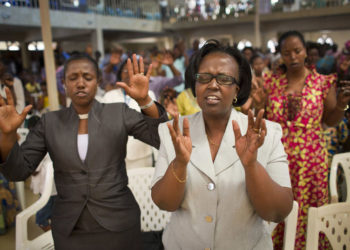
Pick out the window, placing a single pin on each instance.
(271, 45)
(39, 45)
(70, 3)
(244, 43)
(9, 45)
(325, 39)
(3, 45)
(13, 46)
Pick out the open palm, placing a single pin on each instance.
(181, 141)
(10, 120)
(258, 93)
(138, 83)
(247, 145)
(168, 59)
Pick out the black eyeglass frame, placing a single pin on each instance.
(233, 80)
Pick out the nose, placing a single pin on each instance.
(213, 83)
(292, 55)
(80, 82)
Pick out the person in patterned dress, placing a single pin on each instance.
(300, 100)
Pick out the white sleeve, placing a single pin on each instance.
(152, 95)
(163, 160)
(277, 164)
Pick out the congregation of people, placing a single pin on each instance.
(234, 137)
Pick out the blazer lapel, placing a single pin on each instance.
(94, 123)
(71, 131)
(227, 154)
(201, 157)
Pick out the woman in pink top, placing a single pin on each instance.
(301, 100)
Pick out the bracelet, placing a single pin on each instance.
(342, 109)
(176, 177)
(147, 105)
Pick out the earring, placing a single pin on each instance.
(235, 100)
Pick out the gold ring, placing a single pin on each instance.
(141, 73)
(256, 130)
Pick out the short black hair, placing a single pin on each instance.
(248, 48)
(78, 57)
(212, 46)
(312, 45)
(290, 33)
(255, 56)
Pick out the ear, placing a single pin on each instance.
(99, 80)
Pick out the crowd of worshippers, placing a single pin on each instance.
(291, 87)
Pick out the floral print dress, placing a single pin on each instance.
(303, 139)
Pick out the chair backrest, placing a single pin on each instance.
(344, 161)
(290, 228)
(152, 218)
(334, 221)
(23, 132)
(44, 241)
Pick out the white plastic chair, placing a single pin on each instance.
(23, 132)
(334, 221)
(152, 218)
(290, 227)
(45, 240)
(343, 160)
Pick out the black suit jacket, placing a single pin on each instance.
(100, 182)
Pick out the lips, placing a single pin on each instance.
(294, 64)
(81, 94)
(212, 99)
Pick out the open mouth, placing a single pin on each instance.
(211, 99)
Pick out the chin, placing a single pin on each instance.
(217, 111)
(82, 102)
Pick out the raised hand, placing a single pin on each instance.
(138, 84)
(182, 142)
(10, 120)
(8, 80)
(258, 93)
(247, 145)
(168, 59)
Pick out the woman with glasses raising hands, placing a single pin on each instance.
(223, 172)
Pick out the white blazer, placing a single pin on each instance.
(216, 212)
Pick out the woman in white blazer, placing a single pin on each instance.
(223, 173)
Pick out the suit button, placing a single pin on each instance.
(208, 218)
(83, 172)
(85, 196)
(211, 186)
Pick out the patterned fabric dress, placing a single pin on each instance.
(303, 139)
(9, 205)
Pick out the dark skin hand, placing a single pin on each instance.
(10, 120)
(168, 192)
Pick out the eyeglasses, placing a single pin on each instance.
(220, 78)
